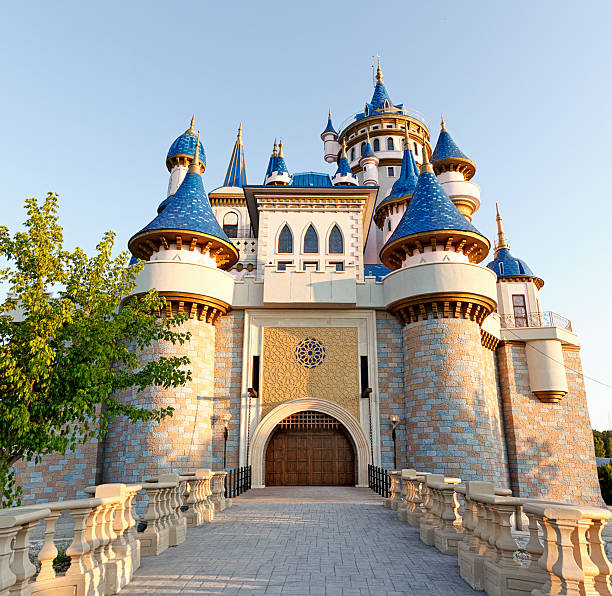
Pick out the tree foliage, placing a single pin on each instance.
(68, 344)
(602, 439)
(605, 482)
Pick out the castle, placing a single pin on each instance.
(344, 320)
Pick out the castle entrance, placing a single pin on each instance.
(310, 448)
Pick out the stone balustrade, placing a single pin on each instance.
(218, 491)
(564, 553)
(395, 488)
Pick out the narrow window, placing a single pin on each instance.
(390, 171)
(520, 310)
(335, 244)
(285, 240)
(353, 154)
(501, 268)
(339, 265)
(376, 145)
(230, 224)
(282, 265)
(388, 225)
(310, 264)
(311, 240)
(362, 147)
(390, 145)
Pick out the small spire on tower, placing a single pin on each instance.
(407, 138)
(379, 74)
(501, 237)
(426, 165)
(343, 152)
(274, 150)
(194, 167)
(442, 123)
(240, 133)
(280, 148)
(191, 129)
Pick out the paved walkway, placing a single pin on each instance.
(303, 540)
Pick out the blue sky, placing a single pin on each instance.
(94, 93)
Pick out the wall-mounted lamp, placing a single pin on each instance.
(395, 422)
(222, 420)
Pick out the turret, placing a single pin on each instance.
(390, 211)
(455, 170)
(277, 172)
(330, 141)
(369, 164)
(236, 170)
(344, 175)
(180, 155)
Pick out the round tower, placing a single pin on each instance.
(277, 173)
(329, 136)
(344, 175)
(368, 164)
(442, 294)
(180, 155)
(455, 170)
(187, 255)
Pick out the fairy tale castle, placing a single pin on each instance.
(347, 319)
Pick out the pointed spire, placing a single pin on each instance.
(194, 167)
(343, 152)
(344, 175)
(329, 128)
(280, 148)
(442, 123)
(191, 126)
(367, 151)
(404, 186)
(407, 144)
(274, 150)
(501, 237)
(379, 74)
(236, 170)
(426, 165)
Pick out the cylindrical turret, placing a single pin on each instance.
(369, 165)
(331, 147)
(277, 172)
(180, 155)
(186, 252)
(344, 175)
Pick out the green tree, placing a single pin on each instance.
(600, 448)
(605, 482)
(68, 344)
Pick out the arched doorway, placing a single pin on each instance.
(310, 448)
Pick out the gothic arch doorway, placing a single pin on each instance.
(266, 427)
(310, 448)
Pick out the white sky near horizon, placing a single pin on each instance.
(94, 94)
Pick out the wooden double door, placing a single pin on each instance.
(310, 449)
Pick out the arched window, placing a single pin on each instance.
(362, 148)
(336, 243)
(390, 145)
(230, 224)
(285, 240)
(311, 240)
(376, 145)
(353, 154)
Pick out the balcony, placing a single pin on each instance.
(536, 319)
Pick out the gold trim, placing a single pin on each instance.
(488, 340)
(443, 305)
(456, 164)
(539, 283)
(550, 397)
(388, 206)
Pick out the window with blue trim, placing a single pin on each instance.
(390, 145)
(285, 240)
(311, 240)
(353, 154)
(376, 145)
(335, 242)
(362, 147)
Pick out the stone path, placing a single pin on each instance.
(302, 540)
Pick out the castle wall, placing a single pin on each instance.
(182, 443)
(550, 446)
(451, 402)
(229, 333)
(391, 387)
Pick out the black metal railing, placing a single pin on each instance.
(236, 232)
(237, 481)
(536, 319)
(379, 481)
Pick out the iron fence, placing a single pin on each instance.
(379, 480)
(536, 319)
(237, 481)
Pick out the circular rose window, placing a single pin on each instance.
(310, 352)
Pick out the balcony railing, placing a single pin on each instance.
(236, 232)
(536, 319)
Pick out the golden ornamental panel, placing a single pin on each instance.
(317, 362)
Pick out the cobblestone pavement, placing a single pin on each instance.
(302, 540)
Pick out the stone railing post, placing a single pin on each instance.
(427, 524)
(177, 524)
(208, 505)
(16, 525)
(415, 509)
(133, 544)
(449, 532)
(155, 539)
(405, 502)
(218, 490)
(393, 501)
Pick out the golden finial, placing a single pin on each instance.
(442, 123)
(240, 133)
(191, 129)
(407, 137)
(426, 165)
(368, 135)
(379, 74)
(194, 167)
(274, 150)
(343, 153)
(501, 237)
(280, 148)
(329, 114)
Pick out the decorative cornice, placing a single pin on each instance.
(388, 207)
(455, 164)
(550, 397)
(516, 278)
(488, 340)
(443, 306)
(201, 308)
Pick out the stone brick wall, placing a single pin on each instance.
(550, 446)
(451, 414)
(182, 443)
(60, 477)
(229, 334)
(390, 356)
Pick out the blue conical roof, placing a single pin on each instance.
(188, 209)
(430, 210)
(367, 150)
(511, 266)
(185, 145)
(344, 168)
(236, 171)
(330, 126)
(380, 96)
(407, 181)
(446, 147)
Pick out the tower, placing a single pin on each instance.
(181, 154)
(442, 295)
(186, 254)
(344, 175)
(455, 170)
(277, 172)
(330, 141)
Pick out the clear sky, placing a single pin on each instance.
(93, 94)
